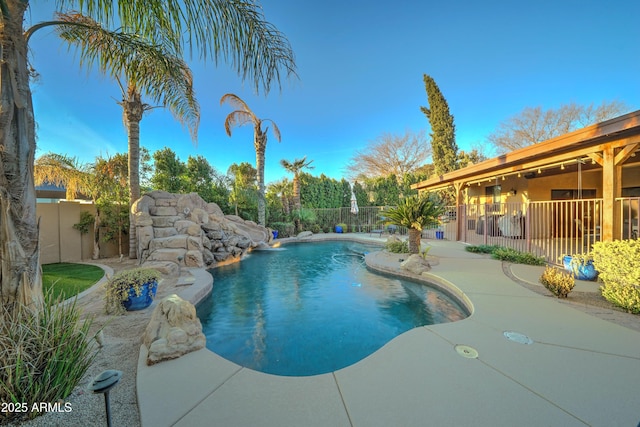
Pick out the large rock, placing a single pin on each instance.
(171, 242)
(174, 330)
(143, 204)
(164, 232)
(415, 264)
(186, 230)
(194, 259)
(304, 234)
(163, 210)
(142, 219)
(173, 255)
(214, 209)
(188, 202)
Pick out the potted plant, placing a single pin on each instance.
(130, 290)
(341, 228)
(580, 265)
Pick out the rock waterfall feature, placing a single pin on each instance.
(185, 230)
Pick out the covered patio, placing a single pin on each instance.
(552, 198)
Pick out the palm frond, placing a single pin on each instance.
(61, 170)
(235, 101)
(238, 118)
(415, 212)
(234, 31)
(276, 131)
(153, 69)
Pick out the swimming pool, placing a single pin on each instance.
(313, 308)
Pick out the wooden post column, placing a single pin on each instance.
(611, 188)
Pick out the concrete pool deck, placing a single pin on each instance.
(579, 370)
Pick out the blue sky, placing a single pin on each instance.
(360, 66)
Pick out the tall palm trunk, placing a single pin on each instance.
(133, 109)
(297, 206)
(414, 240)
(20, 274)
(260, 143)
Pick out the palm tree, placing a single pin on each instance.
(282, 189)
(222, 30)
(147, 68)
(295, 168)
(242, 116)
(415, 213)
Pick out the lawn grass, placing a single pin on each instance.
(67, 279)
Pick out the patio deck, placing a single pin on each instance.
(579, 370)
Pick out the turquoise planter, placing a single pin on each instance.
(583, 272)
(142, 301)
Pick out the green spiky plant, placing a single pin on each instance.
(415, 213)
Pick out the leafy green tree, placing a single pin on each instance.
(196, 176)
(345, 193)
(385, 190)
(320, 192)
(444, 149)
(361, 194)
(204, 179)
(170, 172)
(467, 158)
(295, 167)
(415, 213)
(111, 179)
(243, 115)
(244, 192)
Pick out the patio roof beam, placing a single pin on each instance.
(616, 133)
(592, 152)
(626, 152)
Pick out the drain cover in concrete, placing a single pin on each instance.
(466, 351)
(518, 337)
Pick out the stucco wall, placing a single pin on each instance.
(60, 242)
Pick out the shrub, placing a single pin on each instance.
(618, 264)
(397, 246)
(511, 255)
(483, 249)
(507, 254)
(315, 228)
(558, 282)
(285, 229)
(43, 356)
(344, 227)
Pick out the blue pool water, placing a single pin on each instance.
(309, 309)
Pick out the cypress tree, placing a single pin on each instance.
(443, 140)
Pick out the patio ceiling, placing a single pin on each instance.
(586, 145)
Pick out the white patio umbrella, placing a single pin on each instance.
(354, 207)
(354, 204)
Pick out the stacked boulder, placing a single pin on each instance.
(186, 230)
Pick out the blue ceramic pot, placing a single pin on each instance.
(338, 229)
(142, 301)
(275, 233)
(582, 272)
